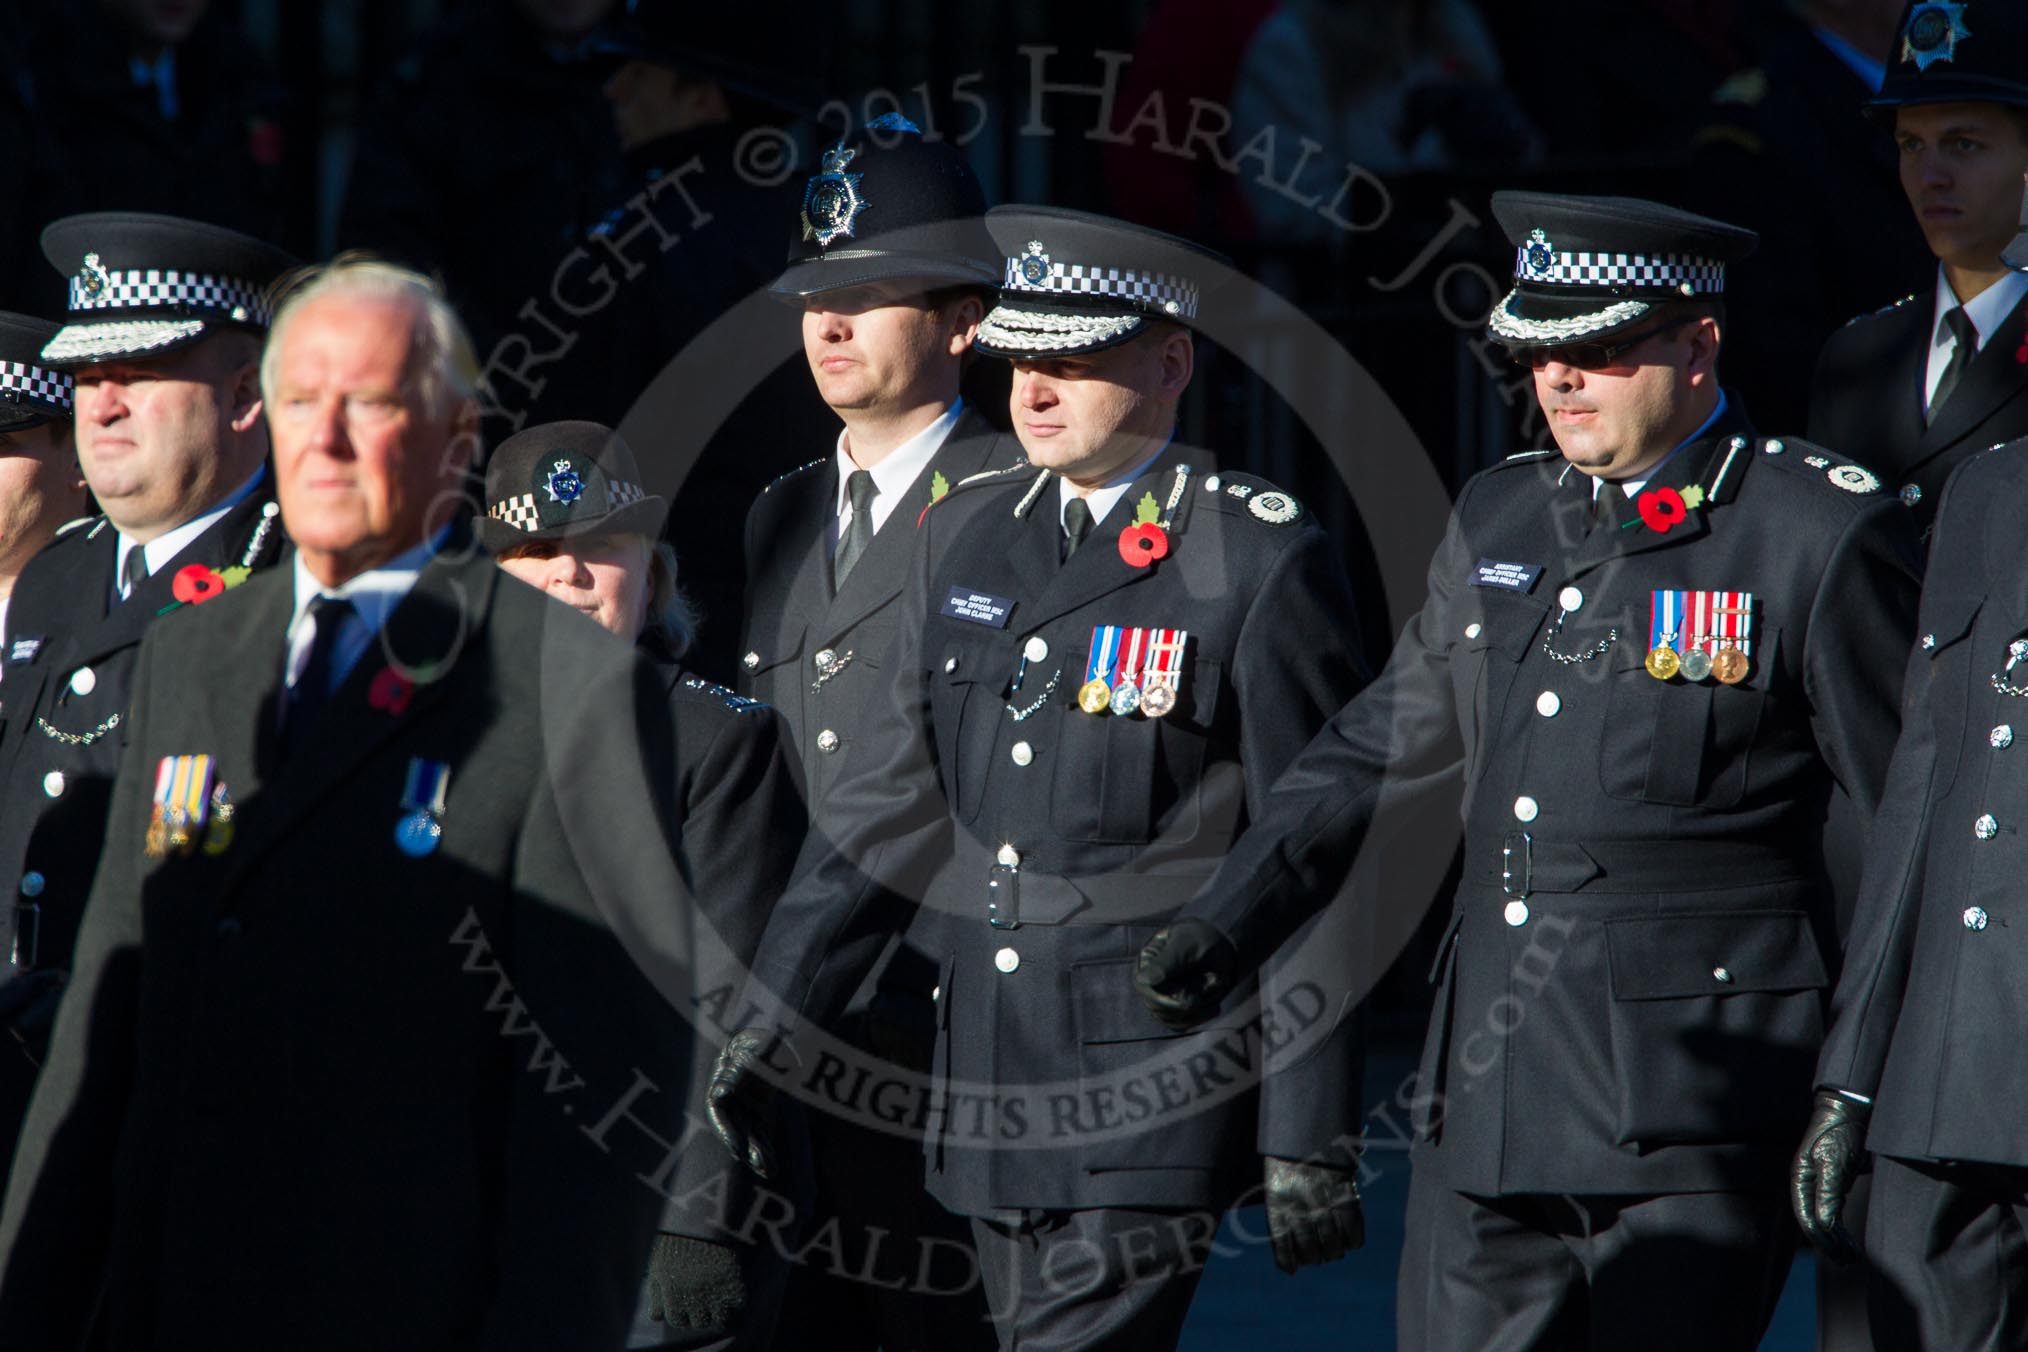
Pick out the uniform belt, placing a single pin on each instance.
(1527, 865)
(1011, 897)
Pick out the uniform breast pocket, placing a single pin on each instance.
(968, 698)
(1497, 629)
(1961, 659)
(1680, 742)
(1119, 778)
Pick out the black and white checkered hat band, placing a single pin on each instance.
(161, 289)
(1513, 328)
(45, 387)
(118, 338)
(1660, 272)
(521, 513)
(1009, 329)
(1156, 290)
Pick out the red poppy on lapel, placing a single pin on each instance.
(1144, 542)
(1662, 508)
(390, 691)
(195, 584)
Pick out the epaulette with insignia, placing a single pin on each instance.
(1883, 310)
(69, 526)
(800, 469)
(1255, 496)
(1817, 462)
(984, 478)
(734, 701)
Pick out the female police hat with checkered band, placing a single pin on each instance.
(1074, 282)
(564, 479)
(1589, 267)
(890, 206)
(143, 285)
(31, 391)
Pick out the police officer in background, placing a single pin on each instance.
(891, 293)
(1923, 1064)
(567, 513)
(1103, 657)
(1652, 658)
(1911, 390)
(163, 340)
(41, 487)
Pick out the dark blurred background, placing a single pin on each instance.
(1341, 151)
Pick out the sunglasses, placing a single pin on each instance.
(1588, 356)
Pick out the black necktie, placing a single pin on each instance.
(1076, 525)
(313, 683)
(134, 569)
(1963, 354)
(859, 530)
(1611, 507)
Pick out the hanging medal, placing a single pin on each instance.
(1096, 695)
(1734, 632)
(1665, 627)
(1696, 660)
(1127, 690)
(1165, 672)
(183, 786)
(421, 827)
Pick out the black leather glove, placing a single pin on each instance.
(1823, 1171)
(1184, 971)
(1313, 1213)
(28, 1008)
(741, 1100)
(695, 1284)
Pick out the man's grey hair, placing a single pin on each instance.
(444, 368)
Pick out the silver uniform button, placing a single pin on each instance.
(1928, 642)
(1526, 809)
(1036, 649)
(53, 783)
(1548, 704)
(1009, 857)
(827, 741)
(1517, 913)
(826, 659)
(2001, 737)
(1473, 629)
(1006, 959)
(1022, 753)
(950, 665)
(1975, 917)
(1736, 444)
(1570, 598)
(751, 661)
(32, 884)
(1986, 827)
(83, 681)
(1774, 446)
(1911, 494)
(1722, 974)
(1211, 482)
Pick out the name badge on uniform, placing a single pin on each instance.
(979, 607)
(191, 806)
(24, 649)
(1518, 577)
(1701, 634)
(421, 827)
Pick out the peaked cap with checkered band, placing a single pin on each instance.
(143, 285)
(1077, 283)
(31, 391)
(563, 479)
(1589, 267)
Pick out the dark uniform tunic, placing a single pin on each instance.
(981, 788)
(1929, 1010)
(69, 687)
(1868, 398)
(312, 1070)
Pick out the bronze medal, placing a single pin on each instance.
(1662, 663)
(1158, 700)
(1730, 666)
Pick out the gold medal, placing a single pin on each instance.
(1662, 663)
(1095, 697)
(1695, 665)
(1730, 666)
(1157, 700)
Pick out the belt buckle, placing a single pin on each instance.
(27, 935)
(1003, 897)
(1517, 862)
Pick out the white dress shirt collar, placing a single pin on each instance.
(374, 594)
(1987, 311)
(161, 551)
(898, 469)
(1102, 498)
(1633, 486)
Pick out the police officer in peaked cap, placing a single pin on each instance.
(1915, 388)
(1103, 658)
(891, 267)
(1651, 654)
(162, 337)
(41, 487)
